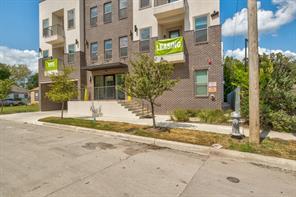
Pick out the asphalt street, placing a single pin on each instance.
(42, 161)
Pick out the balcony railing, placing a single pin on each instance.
(55, 30)
(163, 2)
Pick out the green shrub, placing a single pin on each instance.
(283, 122)
(212, 116)
(181, 115)
(192, 112)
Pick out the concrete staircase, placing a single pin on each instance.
(137, 108)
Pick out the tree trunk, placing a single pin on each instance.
(62, 112)
(153, 115)
(2, 105)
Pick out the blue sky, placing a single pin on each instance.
(20, 31)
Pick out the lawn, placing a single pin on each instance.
(19, 109)
(269, 147)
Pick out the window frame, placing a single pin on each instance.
(121, 37)
(69, 28)
(105, 50)
(144, 7)
(91, 17)
(47, 53)
(147, 40)
(201, 84)
(71, 55)
(45, 29)
(207, 28)
(92, 56)
(106, 14)
(120, 9)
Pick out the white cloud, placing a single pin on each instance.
(268, 21)
(240, 53)
(16, 56)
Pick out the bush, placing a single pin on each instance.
(192, 113)
(283, 122)
(181, 115)
(212, 116)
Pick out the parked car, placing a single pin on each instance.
(11, 102)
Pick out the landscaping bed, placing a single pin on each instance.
(19, 109)
(269, 147)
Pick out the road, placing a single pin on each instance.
(42, 161)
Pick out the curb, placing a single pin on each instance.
(270, 161)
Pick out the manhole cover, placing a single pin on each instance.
(233, 179)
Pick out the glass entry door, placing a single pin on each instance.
(109, 81)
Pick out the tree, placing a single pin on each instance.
(149, 80)
(277, 99)
(4, 72)
(5, 87)
(62, 88)
(20, 73)
(32, 81)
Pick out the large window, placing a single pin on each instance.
(94, 50)
(145, 39)
(108, 12)
(71, 53)
(93, 16)
(174, 34)
(201, 82)
(144, 3)
(123, 46)
(45, 26)
(71, 19)
(108, 49)
(45, 53)
(201, 29)
(122, 9)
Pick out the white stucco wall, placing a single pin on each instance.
(145, 17)
(46, 8)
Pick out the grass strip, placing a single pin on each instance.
(269, 147)
(19, 109)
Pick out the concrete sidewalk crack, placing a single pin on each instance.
(198, 169)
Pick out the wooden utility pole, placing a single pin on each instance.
(254, 127)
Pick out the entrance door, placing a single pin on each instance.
(109, 81)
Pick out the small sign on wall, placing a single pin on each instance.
(212, 87)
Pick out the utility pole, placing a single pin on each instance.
(254, 127)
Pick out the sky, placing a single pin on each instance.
(19, 42)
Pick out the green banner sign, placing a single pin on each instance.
(51, 65)
(169, 46)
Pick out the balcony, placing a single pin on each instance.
(170, 50)
(54, 35)
(167, 11)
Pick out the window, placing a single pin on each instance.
(145, 39)
(171, 1)
(45, 26)
(36, 95)
(93, 16)
(71, 19)
(108, 49)
(94, 51)
(123, 46)
(45, 53)
(71, 53)
(201, 83)
(174, 34)
(122, 9)
(108, 12)
(144, 3)
(201, 29)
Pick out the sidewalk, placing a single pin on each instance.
(162, 120)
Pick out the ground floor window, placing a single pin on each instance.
(201, 82)
(108, 87)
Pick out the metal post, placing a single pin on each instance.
(246, 54)
(254, 127)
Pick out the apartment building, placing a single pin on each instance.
(107, 33)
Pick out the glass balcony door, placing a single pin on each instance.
(106, 87)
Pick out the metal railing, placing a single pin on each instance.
(163, 2)
(53, 30)
(108, 92)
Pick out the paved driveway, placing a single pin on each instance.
(41, 161)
